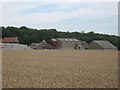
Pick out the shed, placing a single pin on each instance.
(67, 43)
(101, 44)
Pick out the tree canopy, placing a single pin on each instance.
(28, 35)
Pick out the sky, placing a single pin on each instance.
(99, 16)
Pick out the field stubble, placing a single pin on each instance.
(59, 69)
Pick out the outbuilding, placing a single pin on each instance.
(68, 43)
(101, 44)
(36, 46)
(53, 43)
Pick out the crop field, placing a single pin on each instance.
(59, 69)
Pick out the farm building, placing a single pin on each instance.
(12, 43)
(84, 45)
(43, 42)
(36, 46)
(10, 40)
(14, 46)
(54, 43)
(101, 44)
(42, 45)
(67, 43)
(45, 45)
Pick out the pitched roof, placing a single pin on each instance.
(85, 44)
(53, 39)
(67, 39)
(10, 39)
(43, 42)
(105, 44)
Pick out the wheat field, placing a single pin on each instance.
(59, 69)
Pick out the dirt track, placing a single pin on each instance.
(59, 68)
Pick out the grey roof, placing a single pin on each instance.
(35, 43)
(53, 39)
(85, 44)
(67, 39)
(105, 44)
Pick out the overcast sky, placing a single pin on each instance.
(100, 17)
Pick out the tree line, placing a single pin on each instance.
(28, 35)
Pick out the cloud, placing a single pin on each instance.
(59, 0)
(99, 27)
(12, 13)
(1, 13)
(18, 14)
(36, 18)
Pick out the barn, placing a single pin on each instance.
(67, 43)
(101, 44)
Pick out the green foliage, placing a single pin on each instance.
(29, 35)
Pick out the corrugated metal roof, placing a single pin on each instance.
(105, 44)
(35, 43)
(67, 39)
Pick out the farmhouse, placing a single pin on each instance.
(101, 44)
(67, 43)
